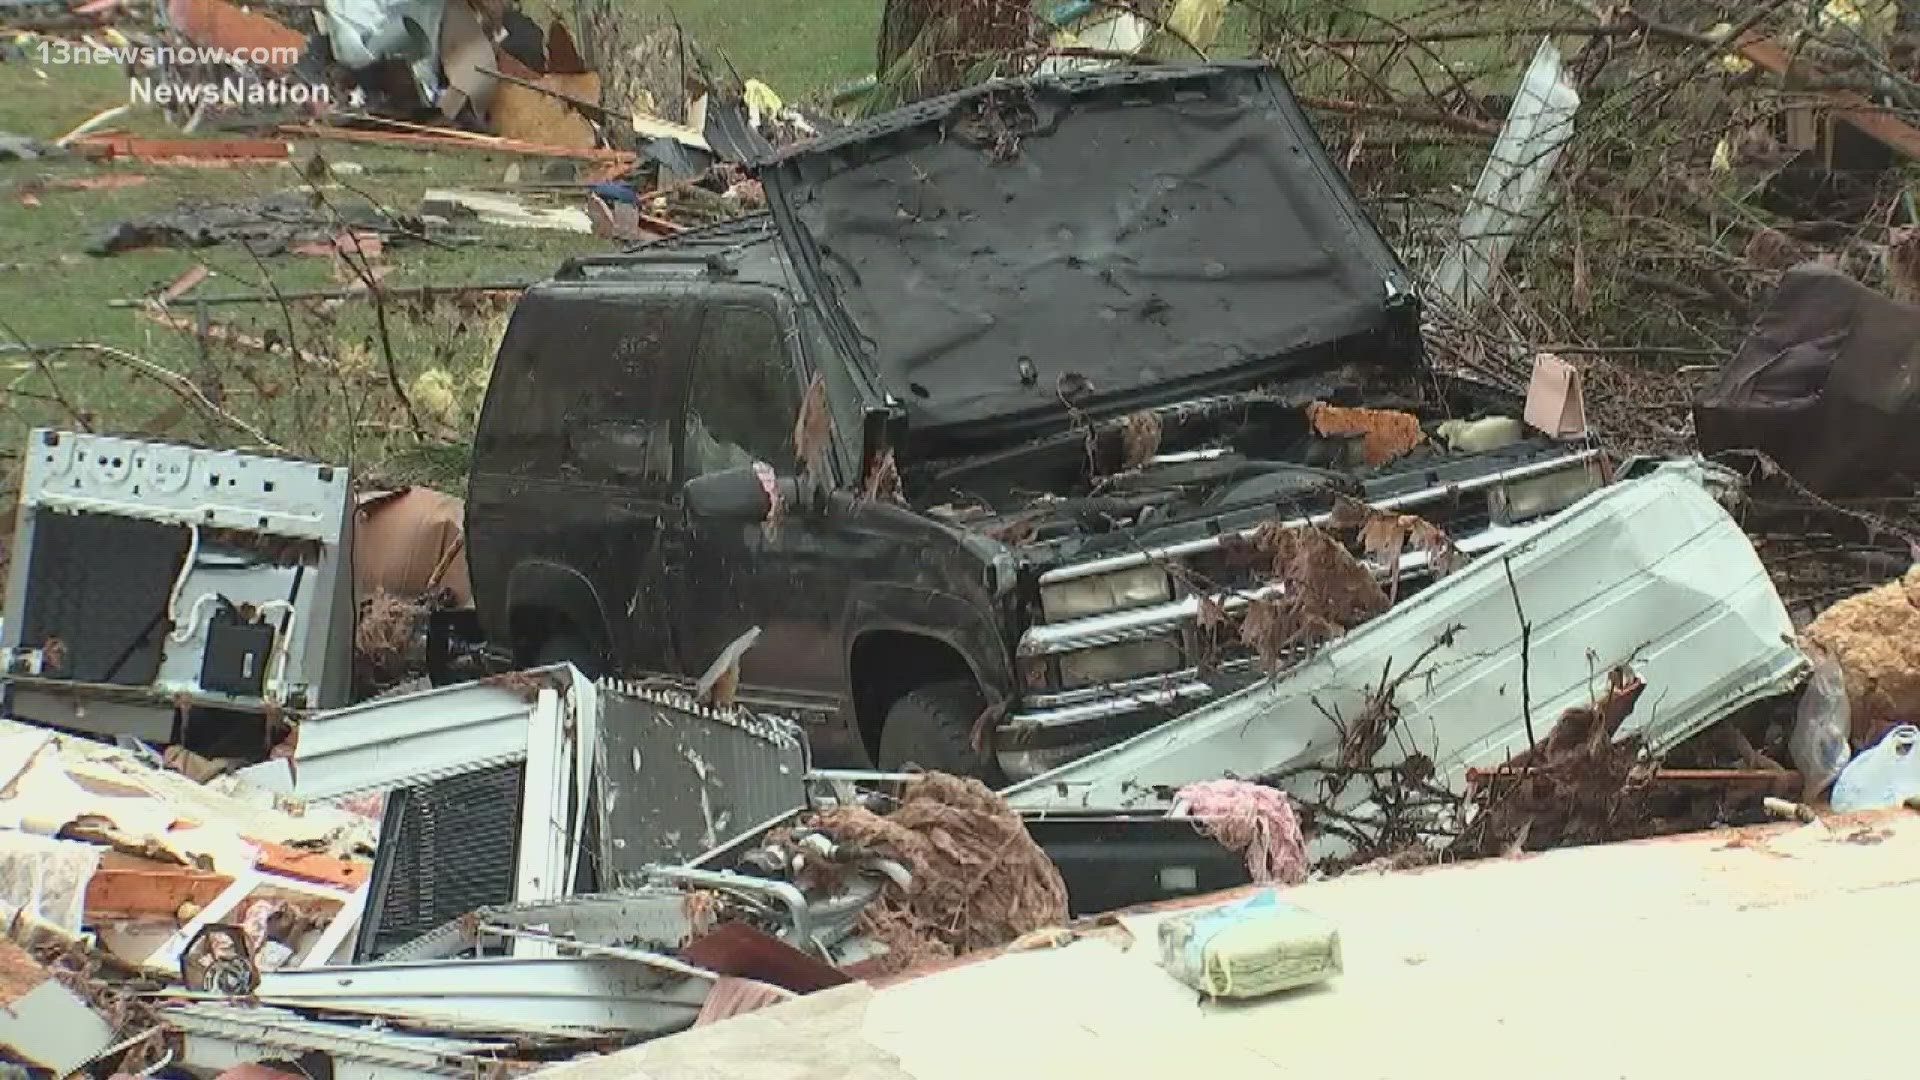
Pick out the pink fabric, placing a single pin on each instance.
(1253, 819)
(770, 482)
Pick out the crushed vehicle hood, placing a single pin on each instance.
(1092, 242)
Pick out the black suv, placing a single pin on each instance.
(1057, 338)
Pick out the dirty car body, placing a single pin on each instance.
(1065, 331)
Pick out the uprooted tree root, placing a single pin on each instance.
(1578, 786)
(979, 880)
(383, 639)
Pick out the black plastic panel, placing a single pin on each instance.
(1111, 863)
(446, 848)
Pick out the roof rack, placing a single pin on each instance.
(716, 263)
(698, 247)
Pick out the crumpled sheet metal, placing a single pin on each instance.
(411, 542)
(1651, 572)
(365, 32)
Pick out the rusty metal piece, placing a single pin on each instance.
(218, 959)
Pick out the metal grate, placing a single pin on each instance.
(98, 586)
(678, 779)
(446, 848)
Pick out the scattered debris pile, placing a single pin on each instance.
(122, 877)
(165, 891)
(272, 225)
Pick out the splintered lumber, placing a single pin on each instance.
(452, 142)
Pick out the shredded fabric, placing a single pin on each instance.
(1253, 819)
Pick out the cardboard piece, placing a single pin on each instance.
(521, 112)
(464, 51)
(127, 887)
(1556, 401)
(615, 221)
(410, 542)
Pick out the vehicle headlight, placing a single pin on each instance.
(1116, 663)
(1102, 593)
(1523, 500)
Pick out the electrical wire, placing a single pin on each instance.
(180, 582)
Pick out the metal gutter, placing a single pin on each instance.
(584, 995)
(1505, 202)
(217, 1037)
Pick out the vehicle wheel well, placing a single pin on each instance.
(530, 626)
(886, 666)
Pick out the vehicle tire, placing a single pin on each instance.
(932, 728)
(567, 646)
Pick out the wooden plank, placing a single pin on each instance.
(111, 147)
(447, 142)
(312, 866)
(125, 887)
(1870, 119)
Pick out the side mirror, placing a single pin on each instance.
(743, 496)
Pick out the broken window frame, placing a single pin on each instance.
(775, 424)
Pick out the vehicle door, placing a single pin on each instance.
(573, 469)
(743, 400)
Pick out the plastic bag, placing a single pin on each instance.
(1821, 726)
(1884, 775)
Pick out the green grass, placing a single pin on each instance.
(52, 292)
(801, 48)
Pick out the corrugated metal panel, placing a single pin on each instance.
(447, 848)
(677, 780)
(549, 996)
